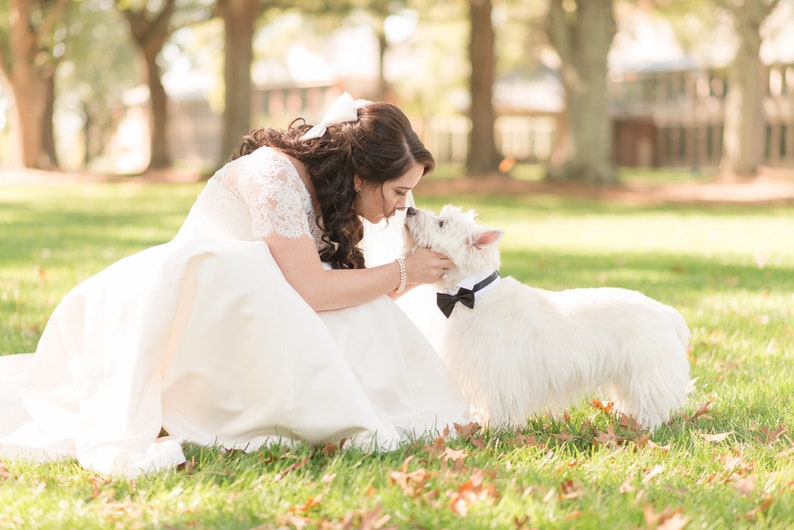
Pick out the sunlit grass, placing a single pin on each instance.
(727, 462)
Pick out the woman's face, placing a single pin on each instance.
(375, 202)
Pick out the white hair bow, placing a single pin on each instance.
(343, 109)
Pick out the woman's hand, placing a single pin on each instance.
(426, 266)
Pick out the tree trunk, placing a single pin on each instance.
(384, 92)
(150, 35)
(30, 73)
(238, 17)
(482, 157)
(743, 133)
(158, 111)
(47, 126)
(582, 39)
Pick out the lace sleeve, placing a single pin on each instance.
(269, 185)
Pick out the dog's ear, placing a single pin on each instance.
(489, 237)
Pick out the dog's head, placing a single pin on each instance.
(472, 248)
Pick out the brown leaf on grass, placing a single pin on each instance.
(369, 520)
(5, 474)
(667, 520)
(675, 522)
(701, 411)
(744, 485)
(469, 432)
(437, 447)
(627, 422)
(454, 455)
(330, 449)
(603, 406)
(652, 474)
(465, 431)
(609, 437)
(735, 463)
(520, 440)
(715, 438)
(298, 522)
(571, 489)
(662, 448)
(564, 436)
(770, 437)
(472, 491)
(412, 483)
(752, 514)
(289, 469)
(627, 487)
(310, 503)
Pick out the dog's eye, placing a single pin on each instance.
(441, 223)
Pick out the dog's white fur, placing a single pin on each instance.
(523, 350)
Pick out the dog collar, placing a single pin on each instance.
(446, 302)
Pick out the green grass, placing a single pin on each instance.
(723, 463)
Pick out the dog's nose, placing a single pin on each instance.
(410, 211)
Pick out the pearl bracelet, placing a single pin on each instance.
(403, 275)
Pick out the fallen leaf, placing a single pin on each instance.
(675, 522)
(609, 437)
(464, 431)
(296, 521)
(626, 487)
(663, 448)
(627, 422)
(715, 438)
(472, 491)
(454, 455)
(4, 472)
(604, 406)
(437, 447)
(310, 503)
(412, 482)
(745, 485)
(653, 473)
(289, 469)
(771, 437)
(570, 489)
(702, 410)
(752, 514)
(667, 520)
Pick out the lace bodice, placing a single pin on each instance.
(252, 197)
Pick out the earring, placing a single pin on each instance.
(358, 189)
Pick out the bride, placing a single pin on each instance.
(258, 323)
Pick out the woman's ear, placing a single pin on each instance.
(357, 181)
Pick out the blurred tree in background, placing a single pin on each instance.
(445, 63)
(34, 42)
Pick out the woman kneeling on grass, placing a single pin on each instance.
(258, 323)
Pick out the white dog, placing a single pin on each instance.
(516, 350)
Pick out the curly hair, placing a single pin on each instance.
(380, 146)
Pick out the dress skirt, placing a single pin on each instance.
(206, 340)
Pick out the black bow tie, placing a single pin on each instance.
(446, 302)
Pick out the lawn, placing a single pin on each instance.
(727, 461)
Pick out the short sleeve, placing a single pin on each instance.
(271, 188)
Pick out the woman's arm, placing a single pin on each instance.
(325, 290)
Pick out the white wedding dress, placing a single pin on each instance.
(203, 337)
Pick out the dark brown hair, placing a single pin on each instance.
(380, 146)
